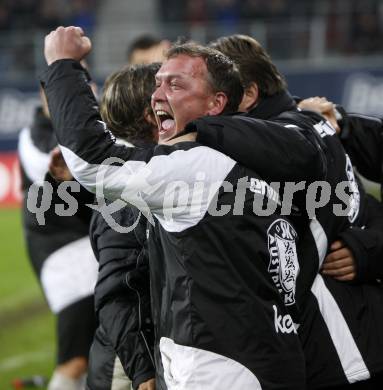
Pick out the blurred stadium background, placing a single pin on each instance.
(331, 48)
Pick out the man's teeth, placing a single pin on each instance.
(166, 120)
(160, 112)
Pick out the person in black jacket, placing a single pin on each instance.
(363, 147)
(122, 296)
(361, 135)
(219, 318)
(266, 97)
(59, 250)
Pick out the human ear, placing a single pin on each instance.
(217, 104)
(250, 98)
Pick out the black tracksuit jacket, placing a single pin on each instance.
(362, 137)
(122, 300)
(334, 316)
(212, 285)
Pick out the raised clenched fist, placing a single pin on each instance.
(66, 43)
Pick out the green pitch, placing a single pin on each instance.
(26, 326)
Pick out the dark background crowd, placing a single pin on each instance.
(290, 29)
(24, 20)
(45, 14)
(352, 27)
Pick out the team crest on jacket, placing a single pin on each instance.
(283, 266)
(354, 189)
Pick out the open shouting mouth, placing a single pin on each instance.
(166, 122)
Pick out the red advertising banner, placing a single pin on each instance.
(10, 181)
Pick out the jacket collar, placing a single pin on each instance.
(271, 106)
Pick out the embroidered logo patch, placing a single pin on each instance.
(354, 189)
(283, 266)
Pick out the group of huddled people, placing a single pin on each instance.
(236, 246)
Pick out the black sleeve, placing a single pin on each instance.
(84, 140)
(127, 340)
(362, 138)
(83, 198)
(75, 116)
(138, 176)
(366, 242)
(122, 296)
(281, 152)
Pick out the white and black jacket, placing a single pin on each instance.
(340, 324)
(58, 246)
(213, 296)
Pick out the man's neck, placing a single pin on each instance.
(189, 137)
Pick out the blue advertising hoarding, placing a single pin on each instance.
(358, 90)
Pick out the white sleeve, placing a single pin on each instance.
(34, 162)
(176, 188)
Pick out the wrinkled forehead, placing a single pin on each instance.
(183, 66)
